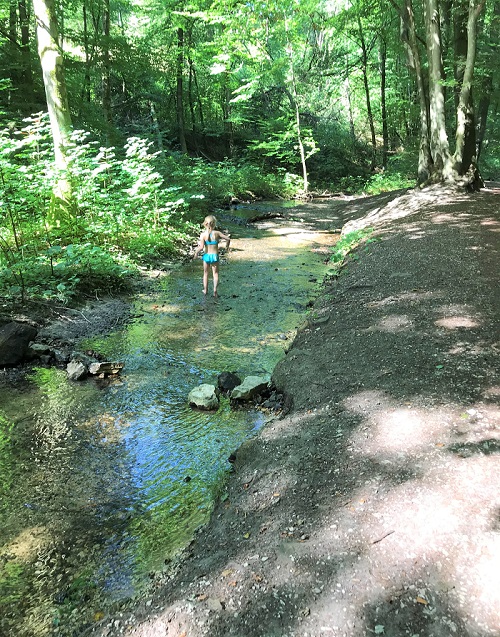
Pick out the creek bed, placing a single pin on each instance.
(102, 483)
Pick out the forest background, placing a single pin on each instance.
(125, 121)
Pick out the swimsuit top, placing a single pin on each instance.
(210, 243)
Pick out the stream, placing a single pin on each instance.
(102, 484)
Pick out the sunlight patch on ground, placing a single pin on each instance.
(392, 323)
(394, 429)
(455, 322)
(491, 224)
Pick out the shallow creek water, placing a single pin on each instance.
(101, 484)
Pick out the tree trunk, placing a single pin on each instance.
(482, 115)
(409, 36)
(13, 44)
(27, 72)
(86, 83)
(62, 206)
(156, 126)
(439, 145)
(465, 148)
(106, 67)
(383, 104)
(297, 112)
(347, 87)
(228, 124)
(367, 95)
(180, 91)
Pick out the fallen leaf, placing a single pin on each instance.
(98, 616)
(421, 600)
(233, 583)
(246, 535)
(202, 597)
(227, 572)
(276, 495)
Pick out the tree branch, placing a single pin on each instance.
(8, 37)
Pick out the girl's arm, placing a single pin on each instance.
(199, 247)
(227, 239)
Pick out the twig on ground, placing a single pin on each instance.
(383, 537)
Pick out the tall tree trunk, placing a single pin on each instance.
(383, 103)
(369, 112)
(439, 144)
(13, 43)
(228, 124)
(86, 83)
(181, 128)
(347, 88)
(300, 143)
(465, 148)
(62, 206)
(156, 126)
(482, 115)
(106, 67)
(409, 35)
(27, 72)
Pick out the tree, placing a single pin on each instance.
(62, 205)
(436, 161)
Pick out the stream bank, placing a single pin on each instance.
(372, 506)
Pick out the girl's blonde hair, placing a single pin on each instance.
(210, 222)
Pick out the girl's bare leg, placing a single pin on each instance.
(215, 275)
(205, 277)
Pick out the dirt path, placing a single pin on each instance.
(372, 507)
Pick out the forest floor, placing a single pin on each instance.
(372, 505)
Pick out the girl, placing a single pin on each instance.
(209, 241)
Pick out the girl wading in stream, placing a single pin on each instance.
(209, 241)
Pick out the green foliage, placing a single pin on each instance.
(386, 182)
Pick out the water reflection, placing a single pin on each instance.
(102, 484)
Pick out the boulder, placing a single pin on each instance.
(252, 386)
(227, 381)
(204, 397)
(76, 370)
(14, 342)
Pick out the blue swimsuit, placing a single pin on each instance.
(213, 257)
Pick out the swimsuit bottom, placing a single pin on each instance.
(211, 258)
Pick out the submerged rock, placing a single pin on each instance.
(204, 397)
(252, 386)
